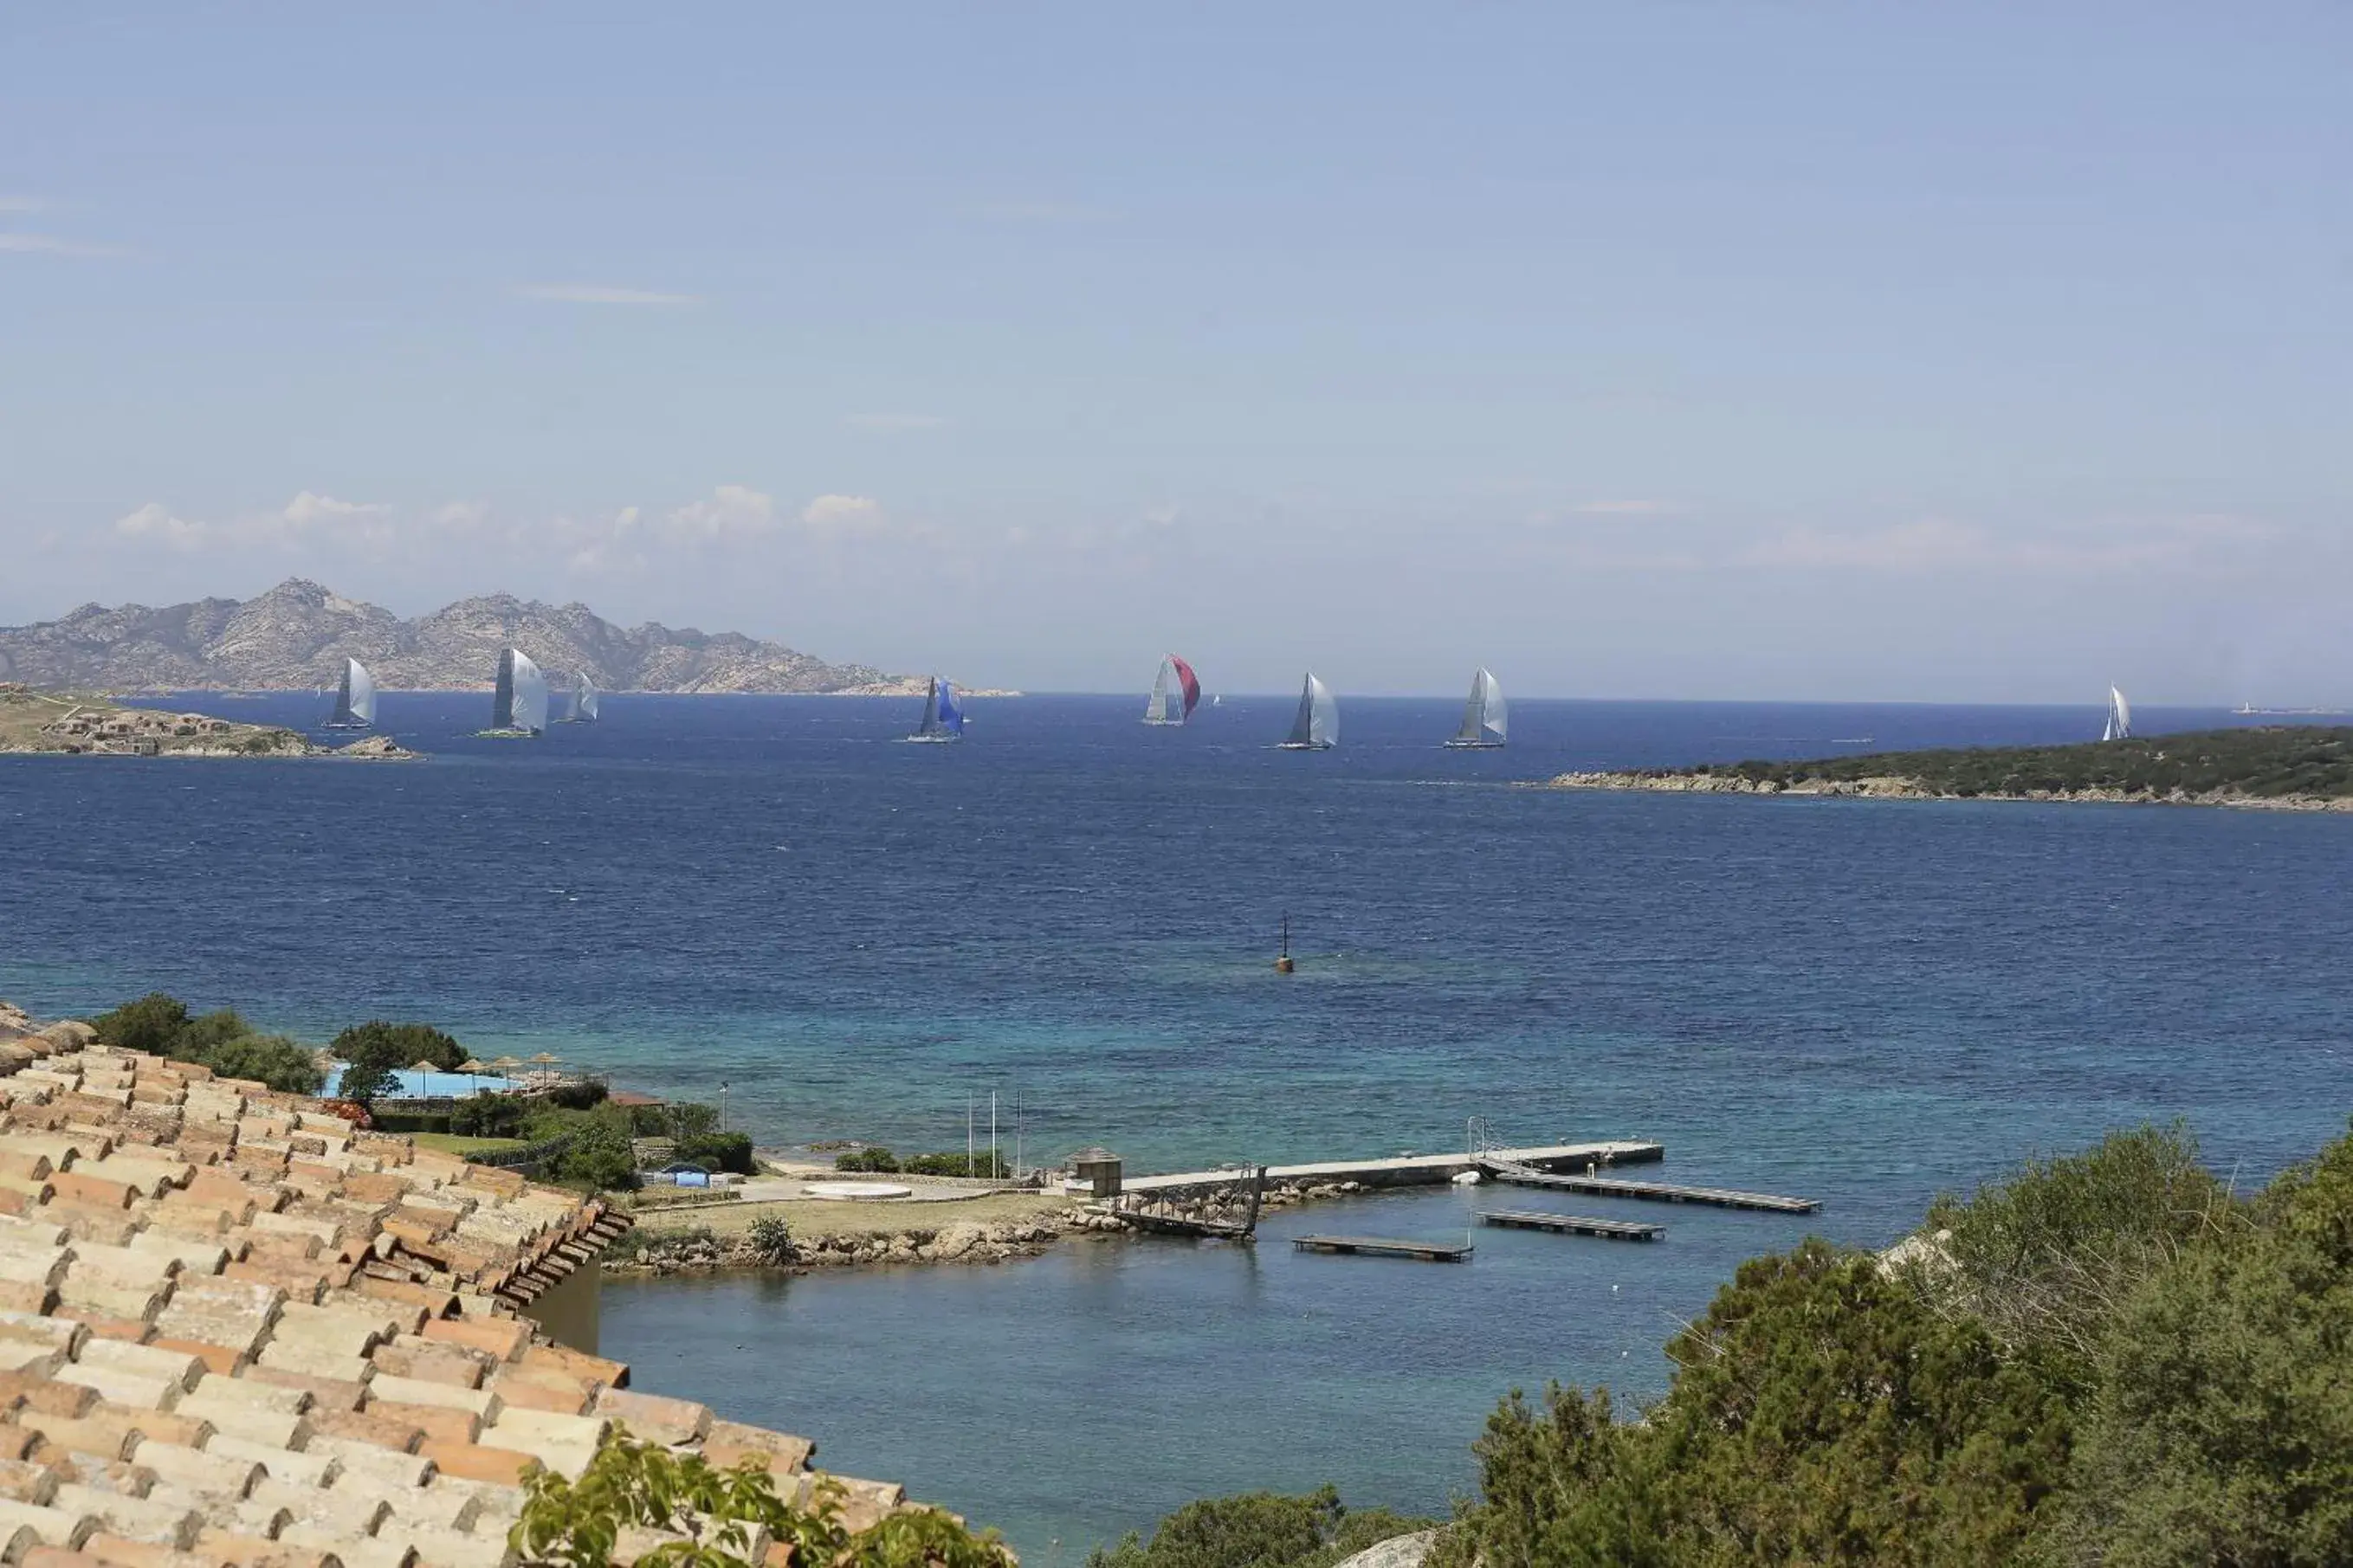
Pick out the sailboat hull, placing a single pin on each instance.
(1303, 746)
(1475, 745)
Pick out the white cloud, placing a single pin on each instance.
(733, 511)
(843, 512)
(154, 521)
(894, 423)
(54, 245)
(603, 294)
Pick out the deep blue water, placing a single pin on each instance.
(1865, 1001)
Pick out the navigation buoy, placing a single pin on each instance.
(1282, 965)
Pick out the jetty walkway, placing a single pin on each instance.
(1412, 1169)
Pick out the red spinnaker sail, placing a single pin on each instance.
(1192, 686)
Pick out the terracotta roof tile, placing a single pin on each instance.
(232, 1330)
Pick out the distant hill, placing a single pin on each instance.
(2279, 764)
(297, 636)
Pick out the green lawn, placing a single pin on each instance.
(450, 1143)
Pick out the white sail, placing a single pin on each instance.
(1317, 725)
(1155, 710)
(2119, 716)
(1483, 715)
(584, 700)
(363, 689)
(530, 695)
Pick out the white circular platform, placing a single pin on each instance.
(853, 1192)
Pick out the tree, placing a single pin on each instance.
(2222, 1430)
(2046, 1259)
(772, 1239)
(401, 1044)
(1820, 1411)
(150, 1023)
(689, 1120)
(599, 1157)
(285, 1064)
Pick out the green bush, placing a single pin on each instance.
(771, 1239)
(398, 1045)
(152, 1023)
(876, 1161)
(1258, 1529)
(720, 1513)
(599, 1158)
(957, 1163)
(719, 1151)
(2222, 1430)
(286, 1065)
(488, 1116)
(580, 1094)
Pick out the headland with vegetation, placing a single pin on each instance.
(69, 724)
(2280, 767)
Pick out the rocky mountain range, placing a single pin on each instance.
(297, 636)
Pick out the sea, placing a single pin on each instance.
(773, 904)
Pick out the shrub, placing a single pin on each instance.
(719, 1151)
(150, 1023)
(285, 1064)
(599, 1157)
(2222, 1427)
(878, 1161)
(957, 1163)
(720, 1511)
(581, 1094)
(689, 1120)
(487, 1116)
(398, 1045)
(771, 1239)
(1821, 1412)
(1258, 1529)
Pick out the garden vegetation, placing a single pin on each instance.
(2264, 763)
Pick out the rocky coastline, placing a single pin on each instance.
(1892, 787)
(42, 724)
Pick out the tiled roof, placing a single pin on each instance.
(234, 1330)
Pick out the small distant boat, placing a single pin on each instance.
(942, 720)
(1217, 701)
(1483, 716)
(1175, 693)
(1317, 726)
(584, 702)
(2119, 726)
(354, 698)
(518, 705)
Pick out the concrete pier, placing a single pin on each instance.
(1412, 1169)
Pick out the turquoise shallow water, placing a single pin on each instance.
(1865, 1002)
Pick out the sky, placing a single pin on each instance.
(1850, 351)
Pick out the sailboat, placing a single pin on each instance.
(1317, 726)
(519, 707)
(354, 698)
(942, 720)
(2119, 726)
(1182, 701)
(1483, 716)
(584, 702)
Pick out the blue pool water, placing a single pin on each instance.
(1865, 1002)
(418, 1084)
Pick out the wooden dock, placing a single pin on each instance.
(1412, 1169)
(1574, 1224)
(1387, 1247)
(1657, 1192)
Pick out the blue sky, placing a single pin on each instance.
(1972, 352)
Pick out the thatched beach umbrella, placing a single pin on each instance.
(547, 1059)
(506, 1065)
(472, 1066)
